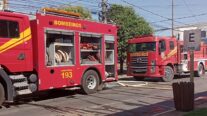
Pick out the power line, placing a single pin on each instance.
(189, 9)
(104, 10)
(191, 16)
(90, 1)
(152, 12)
(22, 5)
(172, 33)
(166, 28)
(38, 4)
(144, 9)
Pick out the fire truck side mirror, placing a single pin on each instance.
(159, 49)
(162, 46)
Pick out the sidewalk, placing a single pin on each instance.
(200, 102)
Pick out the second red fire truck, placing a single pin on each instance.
(164, 57)
(54, 51)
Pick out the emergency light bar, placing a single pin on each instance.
(58, 12)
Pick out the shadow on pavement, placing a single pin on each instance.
(124, 77)
(98, 102)
(165, 108)
(99, 106)
(41, 96)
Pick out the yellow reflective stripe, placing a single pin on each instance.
(173, 52)
(24, 36)
(27, 32)
(10, 42)
(139, 54)
(19, 42)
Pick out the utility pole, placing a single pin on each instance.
(104, 10)
(172, 18)
(5, 4)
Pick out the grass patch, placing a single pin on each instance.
(198, 112)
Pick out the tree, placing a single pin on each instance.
(130, 25)
(85, 13)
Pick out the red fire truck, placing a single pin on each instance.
(164, 57)
(55, 50)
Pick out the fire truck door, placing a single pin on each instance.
(12, 43)
(162, 48)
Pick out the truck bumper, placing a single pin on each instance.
(146, 75)
(159, 72)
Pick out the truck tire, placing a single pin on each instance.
(2, 94)
(169, 74)
(90, 82)
(139, 78)
(201, 71)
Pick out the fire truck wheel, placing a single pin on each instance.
(2, 94)
(200, 71)
(90, 82)
(139, 78)
(169, 74)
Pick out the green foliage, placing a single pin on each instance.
(130, 25)
(85, 13)
(198, 112)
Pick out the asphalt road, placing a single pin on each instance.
(125, 98)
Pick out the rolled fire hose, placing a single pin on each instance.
(57, 57)
(61, 56)
(67, 56)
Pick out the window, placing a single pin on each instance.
(147, 46)
(206, 51)
(178, 36)
(59, 48)
(162, 46)
(9, 29)
(203, 34)
(90, 48)
(171, 45)
(181, 48)
(109, 56)
(109, 49)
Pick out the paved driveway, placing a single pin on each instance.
(127, 98)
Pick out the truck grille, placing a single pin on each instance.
(138, 64)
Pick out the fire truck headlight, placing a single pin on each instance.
(153, 62)
(152, 69)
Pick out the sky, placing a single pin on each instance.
(157, 12)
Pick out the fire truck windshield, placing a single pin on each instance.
(137, 47)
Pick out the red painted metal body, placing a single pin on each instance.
(34, 49)
(174, 56)
(8, 54)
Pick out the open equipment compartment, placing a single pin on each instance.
(90, 48)
(109, 56)
(59, 48)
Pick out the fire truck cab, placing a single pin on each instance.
(54, 51)
(164, 57)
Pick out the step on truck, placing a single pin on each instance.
(162, 57)
(55, 50)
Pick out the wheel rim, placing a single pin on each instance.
(200, 70)
(91, 82)
(168, 73)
